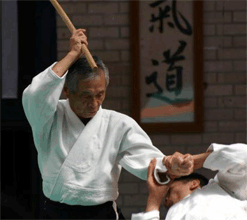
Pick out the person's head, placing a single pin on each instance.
(182, 187)
(86, 89)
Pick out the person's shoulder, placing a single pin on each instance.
(114, 114)
(118, 116)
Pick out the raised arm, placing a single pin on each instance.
(40, 98)
(76, 42)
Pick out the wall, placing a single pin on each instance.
(107, 25)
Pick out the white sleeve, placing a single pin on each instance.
(136, 149)
(152, 215)
(231, 162)
(41, 97)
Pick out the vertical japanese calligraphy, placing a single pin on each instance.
(166, 60)
(164, 12)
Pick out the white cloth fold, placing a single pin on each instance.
(160, 168)
(152, 215)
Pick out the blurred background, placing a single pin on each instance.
(33, 36)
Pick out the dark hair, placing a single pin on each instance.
(194, 176)
(81, 70)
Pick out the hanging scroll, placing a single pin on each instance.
(167, 56)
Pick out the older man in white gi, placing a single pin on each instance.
(82, 147)
(223, 198)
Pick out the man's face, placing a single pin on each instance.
(177, 191)
(88, 97)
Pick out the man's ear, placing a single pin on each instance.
(194, 184)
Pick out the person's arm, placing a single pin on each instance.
(199, 159)
(76, 41)
(156, 191)
(155, 197)
(135, 147)
(137, 150)
(64, 64)
(231, 162)
(41, 97)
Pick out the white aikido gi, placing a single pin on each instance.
(80, 165)
(225, 196)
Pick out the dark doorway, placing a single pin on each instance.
(21, 185)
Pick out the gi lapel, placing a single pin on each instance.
(85, 150)
(82, 157)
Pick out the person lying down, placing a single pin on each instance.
(193, 197)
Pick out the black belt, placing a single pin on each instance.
(57, 210)
(64, 206)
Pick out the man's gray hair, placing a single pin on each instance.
(81, 70)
